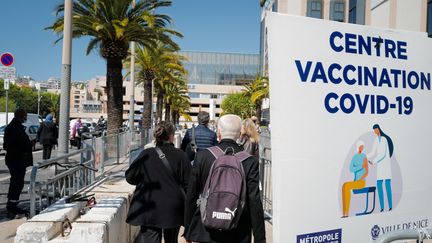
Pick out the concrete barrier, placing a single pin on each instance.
(105, 222)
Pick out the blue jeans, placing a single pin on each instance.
(381, 194)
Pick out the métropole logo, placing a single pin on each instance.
(329, 236)
(377, 230)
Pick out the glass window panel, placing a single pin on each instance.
(314, 9)
(429, 18)
(338, 13)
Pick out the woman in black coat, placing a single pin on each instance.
(158, 201)
(47, 135)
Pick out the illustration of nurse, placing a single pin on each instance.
(380, 156)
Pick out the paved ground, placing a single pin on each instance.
(8, 227)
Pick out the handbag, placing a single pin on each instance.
(165, 162)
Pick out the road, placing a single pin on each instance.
(42, 174)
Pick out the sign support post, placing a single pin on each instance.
(6, 88)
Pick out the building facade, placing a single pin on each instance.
(212, 76)
(412, 15)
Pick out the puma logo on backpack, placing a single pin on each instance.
(224, 195)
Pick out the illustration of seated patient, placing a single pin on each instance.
(358, 166)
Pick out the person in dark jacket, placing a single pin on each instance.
(158, 202)
(204, 137)
(47, 136)
(18, 156)
(252, 217)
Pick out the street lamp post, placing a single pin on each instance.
(63, 147)
(132, 80)
(39, 98)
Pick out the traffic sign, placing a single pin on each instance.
(6, 84)
(7, 72)
(7, 59)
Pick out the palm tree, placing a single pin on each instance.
(175, 93)
(157, 65)
(257, 91)
(112, 24)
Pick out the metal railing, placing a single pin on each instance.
(406, 234)
(266, 174)
(65, 183)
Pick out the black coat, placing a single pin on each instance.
(157, 200)
(47, 133)
(252, 218)
(17, 145)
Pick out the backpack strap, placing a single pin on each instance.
(193, 142)
(216, 151)
(165, 162)
(242, 155)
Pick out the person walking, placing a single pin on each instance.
(75, 134)
(161, 178)
(201, 135)
(249, 137)
(18, 156)
(252, 216)
(47, 136)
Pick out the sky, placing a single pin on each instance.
(207, 25)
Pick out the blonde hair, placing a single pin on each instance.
(249, 129)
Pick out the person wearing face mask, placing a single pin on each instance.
(18, 156)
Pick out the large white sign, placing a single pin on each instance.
(351, 130)
(7, 72)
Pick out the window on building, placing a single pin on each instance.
(275, 6)
(337, 10)
(314, 9)
(429, 18)
(356, 11)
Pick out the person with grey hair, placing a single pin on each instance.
(252, 216)
(199, 137)
(358, 166)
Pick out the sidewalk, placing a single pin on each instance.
(8, 227)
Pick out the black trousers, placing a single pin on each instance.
(16, 185)
(47, 151)
(154, 235)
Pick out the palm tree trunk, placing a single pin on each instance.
(258, 111)
(159, 106)
(115, 94)
(147, 103)
(173, 117)
(167, 112)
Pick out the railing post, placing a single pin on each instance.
(118, 147)
(104, 149)
(32, 191)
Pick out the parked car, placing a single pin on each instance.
(31, 130)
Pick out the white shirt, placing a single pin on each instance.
(380, 156)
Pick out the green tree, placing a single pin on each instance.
(112, 24)
(238, 104)
(155, 65)
(257, 91)
(176, 99)
(11, 105)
